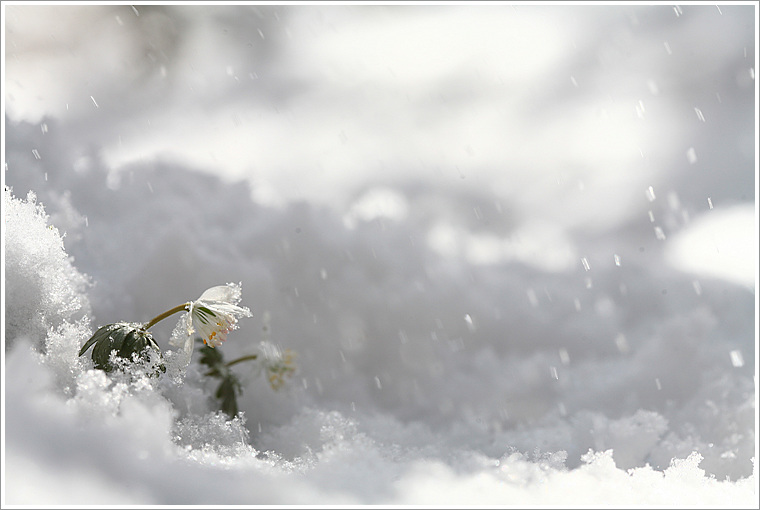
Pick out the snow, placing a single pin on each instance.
(514, 267)
(716, 244)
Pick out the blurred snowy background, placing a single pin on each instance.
(497, 237)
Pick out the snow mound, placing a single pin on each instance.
(43, 289)
(159, 436)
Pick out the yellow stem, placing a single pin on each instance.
(164, 315)
(244, 358)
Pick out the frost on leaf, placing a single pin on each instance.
(124, 341)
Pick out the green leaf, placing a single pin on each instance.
(125, 339)
(213, 373)
(100, 335)
(112, 341)
(229, 387)
(227, 393)
(211, 357)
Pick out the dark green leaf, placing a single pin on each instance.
(227, 394)
(101, 353)
(211, 357)
(125, 339)
(99, 335)
(229, 387)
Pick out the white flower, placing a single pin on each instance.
(211, 316)
(278, 365)
(215, 313)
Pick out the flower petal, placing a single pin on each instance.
(216, 313)
(229, 293)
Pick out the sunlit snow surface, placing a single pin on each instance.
(514, 249)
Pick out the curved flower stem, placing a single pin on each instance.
(164, 315)
(244, 358)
